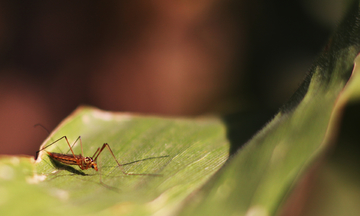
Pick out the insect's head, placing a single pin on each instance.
(90, 163)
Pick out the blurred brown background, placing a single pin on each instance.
(158, 57)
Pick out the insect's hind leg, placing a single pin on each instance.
(63, 137)
(37, 152)
(72, 146)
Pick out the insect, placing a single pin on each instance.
(83, 162)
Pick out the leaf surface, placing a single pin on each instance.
(184, 153)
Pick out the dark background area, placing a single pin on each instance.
(177, 58)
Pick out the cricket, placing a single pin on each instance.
(83, 162)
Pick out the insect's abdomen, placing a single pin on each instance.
(65, 158)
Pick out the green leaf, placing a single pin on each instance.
(336, 189)
(261, 176)
(193, 150)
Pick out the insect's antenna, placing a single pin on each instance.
(43, 127)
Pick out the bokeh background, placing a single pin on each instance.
(175, 58)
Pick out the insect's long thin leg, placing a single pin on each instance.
(96, 153)
(82, 152)
(120, 166)
(37, 152)
(81, 165)
(72, 146)
(99, 152)
(67, 141)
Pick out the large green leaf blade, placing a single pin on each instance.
(185, 153)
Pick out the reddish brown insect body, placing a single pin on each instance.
(83, 162)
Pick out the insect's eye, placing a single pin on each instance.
(92, 166)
